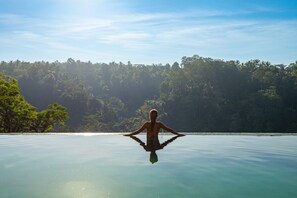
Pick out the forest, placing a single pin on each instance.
(198, 94)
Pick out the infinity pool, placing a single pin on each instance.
(110, 166)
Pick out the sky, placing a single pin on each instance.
(148, 31)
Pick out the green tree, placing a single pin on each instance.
(200, 94)
(17, 115)
(47, 119)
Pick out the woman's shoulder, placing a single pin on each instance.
(147, 123)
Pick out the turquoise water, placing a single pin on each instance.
(54, 166)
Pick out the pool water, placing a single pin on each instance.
(110, 166)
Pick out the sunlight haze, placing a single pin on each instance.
(148, 31)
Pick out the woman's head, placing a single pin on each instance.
(153, 114)
(153, 157)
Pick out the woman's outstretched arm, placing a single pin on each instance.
(139, 141)
(139, 130)
(168, 141)
(170, 130)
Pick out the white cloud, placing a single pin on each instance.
(128, 39)
(10, 18)
(164, 34)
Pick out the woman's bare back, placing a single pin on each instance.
(153, 131)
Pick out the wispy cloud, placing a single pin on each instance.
(210, 32)
(10, 18)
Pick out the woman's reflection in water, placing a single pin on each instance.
(152, 131)
(152, 145)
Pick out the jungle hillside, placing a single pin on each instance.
(195, 94)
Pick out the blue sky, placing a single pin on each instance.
(148, 31)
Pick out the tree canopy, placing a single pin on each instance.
(197, 94)
(17, 115)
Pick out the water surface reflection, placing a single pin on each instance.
(152, 145)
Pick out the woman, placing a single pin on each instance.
(153, 127)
